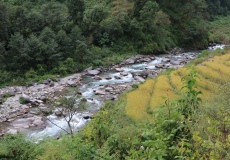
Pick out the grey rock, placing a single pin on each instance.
(58, 113)
(159, 66)
(117, 77)
(71, 83)
(146, 60)
(174, 62)
(93, 72)
(130, 61)
(99, 92)
(108, 89)
(26, 98)
(124, 74)
(107, 77)
(144, 74)
(12, 131)
(119, 69)
(46, 82)
(38, 121)
(138, 78)
(97, 77)
(165, 60)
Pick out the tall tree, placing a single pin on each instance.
(4, 19)
(76, 10)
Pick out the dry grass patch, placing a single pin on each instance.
(162, 89)
(138, 100)
(209, 73)
(175, 80)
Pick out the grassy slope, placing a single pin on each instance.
(153, 92)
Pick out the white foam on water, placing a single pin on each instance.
(156, 61)
(53, 130)
(113, 80)
(220, 46)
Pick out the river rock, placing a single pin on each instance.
(119, 69)
(146, 60)
(97, 77)
(38, 121)
(124, 74)
(165, 60)
(107, 77)
(159, 66)
(130, 61)
(117, 77)
(138, 78)
(144, 74)
(175, 62)
(58, 113)
(44, 109)
(93, 72)
(46, 82)
(26, 98)
(12, 131)
(99, 92)
(108, 89)
(71, 83)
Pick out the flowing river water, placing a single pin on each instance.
(94, 102)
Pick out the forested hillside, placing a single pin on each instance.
(39, 37)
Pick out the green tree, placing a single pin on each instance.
(76, 10)
(4, 19)
(50, 49)
(55, 15)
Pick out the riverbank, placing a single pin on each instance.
(93, 85)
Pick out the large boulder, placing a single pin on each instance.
(93, 72)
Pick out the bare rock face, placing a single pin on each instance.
(93, 72)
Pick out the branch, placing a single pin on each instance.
(58, 126)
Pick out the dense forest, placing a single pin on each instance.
(40, 37)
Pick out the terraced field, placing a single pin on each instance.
(149, 95)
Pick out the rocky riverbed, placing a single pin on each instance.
(93, 85)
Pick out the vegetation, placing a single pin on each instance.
(190, 125)
(39, 39)
(182, 114)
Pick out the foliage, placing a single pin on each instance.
(185, 128)
(42, 35)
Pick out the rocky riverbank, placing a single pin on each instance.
(95, 86)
